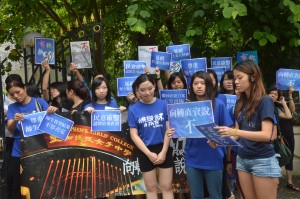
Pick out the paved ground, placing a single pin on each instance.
(284, 193)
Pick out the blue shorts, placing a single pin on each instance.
(262, 167)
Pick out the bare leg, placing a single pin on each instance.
(265, 187)
(247, 185)
(150, 180)
(165, 182)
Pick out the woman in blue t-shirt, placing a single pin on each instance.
(202, 162)
(257, 166)
(24, 104)
(149, 130)
(101, 96)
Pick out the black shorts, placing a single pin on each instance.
(146, 164)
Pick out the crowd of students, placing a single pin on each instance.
(251, 122)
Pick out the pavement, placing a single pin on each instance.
(284, 193)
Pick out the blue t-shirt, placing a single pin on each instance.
(149, 120)
(198, 154)
(223, 98)
(98, 107)
(25, 109)
(253, 149)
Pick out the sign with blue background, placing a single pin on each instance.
(230, 100)
(286, 78)
(247, 55)
(161, 60)
(179, 52)
(221, 62)
(174, 96)
(190, 66)
(106, 120)
(134, 68)
(31, 122)
(44, 50)
(219, 72)
(56, 125)
(212, 134)
(184, 117)
(125, 85)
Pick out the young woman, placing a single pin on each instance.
(215, 82)
(58, 96)
(24, 104)
(285, 111)
(176, 81)
(78, 94)
(226, 83)
(101, 96)
(202, 162)
(151, 137)
(257, 166)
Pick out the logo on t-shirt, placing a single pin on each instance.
(152, 120)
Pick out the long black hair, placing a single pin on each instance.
(172, 78)
(96, 83)
(141, 79)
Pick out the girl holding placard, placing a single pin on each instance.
(202, 162)
(149, 130)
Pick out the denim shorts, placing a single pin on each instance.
(262, 167)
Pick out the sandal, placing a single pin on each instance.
(292, 187)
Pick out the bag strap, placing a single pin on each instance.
(279, 135)
(38, 106)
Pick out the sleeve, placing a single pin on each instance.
(10, 112)
(113, 104)
(267, 109)
(43, 103)
(224, 117)
(131, 119)
(87, 106)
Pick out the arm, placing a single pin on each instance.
(141, 145)
(291, 100)
(158, 79)
(46, 76)
(286, 113)
(12, 123)
(166, 144)
(259, 136)
(75, 71)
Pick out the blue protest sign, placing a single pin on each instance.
(174, 96)
(247, 55)
(221, 62)
(190, 66)
(183, 117)
(219, 72)
(230, 100)
(44, 50)
(179, 52)
(106, 120)
(56, 125)
(134, 68)
(31, 122)
(161, 60)
(286, 78)
(212, 134)
(125, 85)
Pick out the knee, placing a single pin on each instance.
(151, 187)
(166, 187)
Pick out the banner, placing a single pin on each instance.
(44, 50)
(174, 96)
(247, 55)
(230, 100)
(161, 60)
(179, 52)
(31, 122)
(125, 85)
(219, 72)
(211, 134)
(134, 68)
(81, 54)
(184, 117)
(106, 120)
(88, 164)
(286, 78)
(144, 54)
(221, 62)
(190, 66)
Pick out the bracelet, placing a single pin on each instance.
(158, 79)
(235, 132)
(291, 99)
(228, 162)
